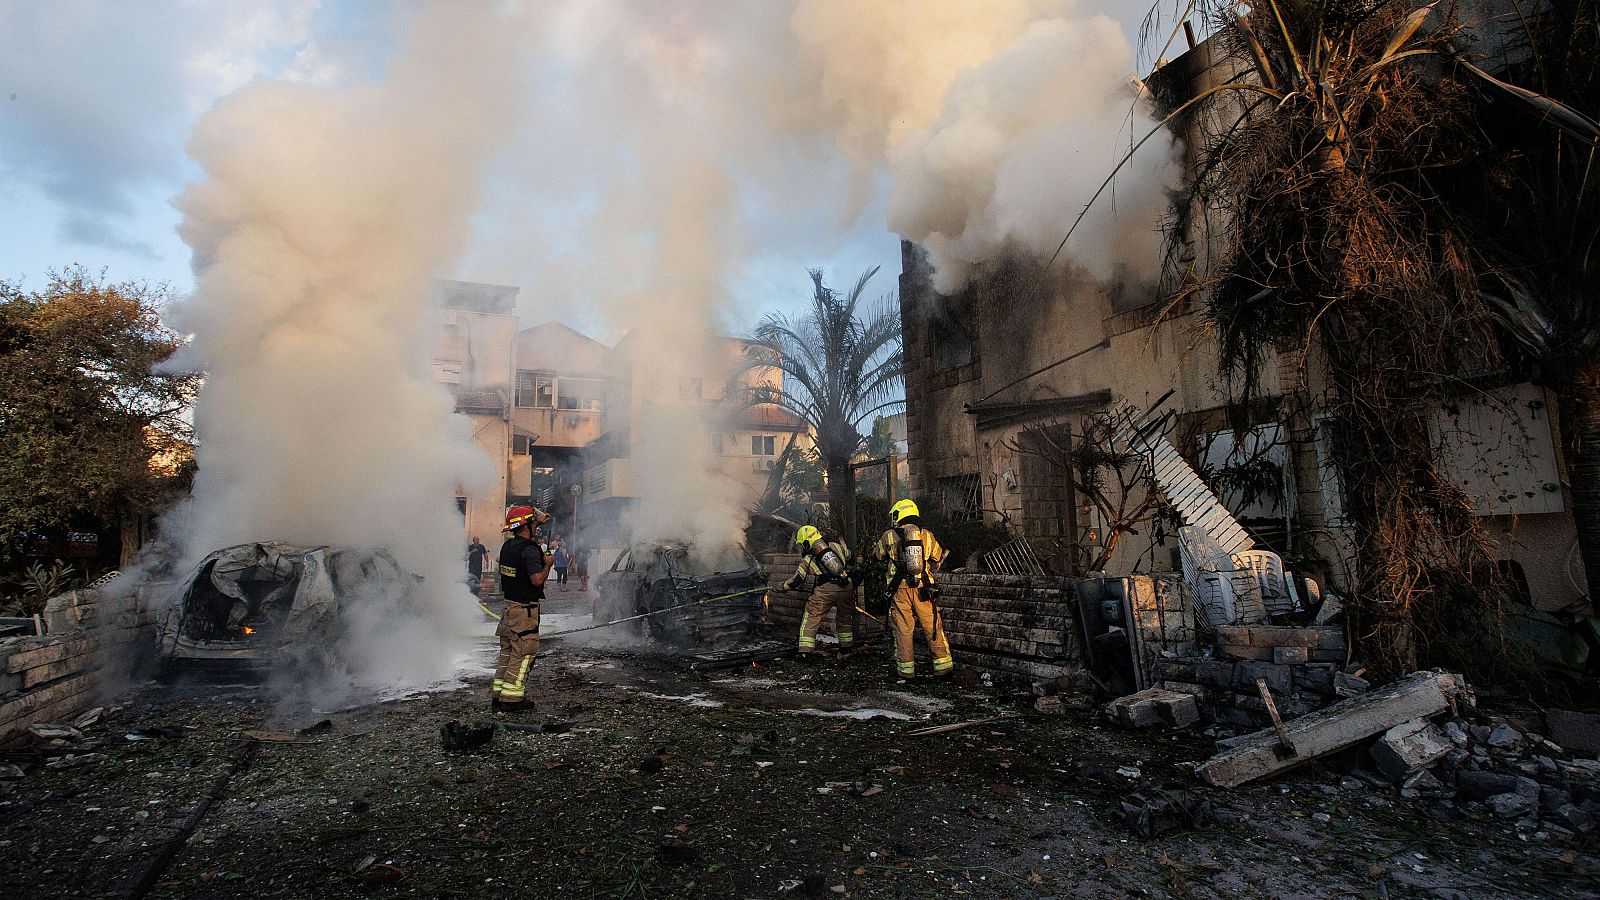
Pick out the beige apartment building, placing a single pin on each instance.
(692, 376)
(555, 409)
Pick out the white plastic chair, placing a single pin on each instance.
(1267, 567)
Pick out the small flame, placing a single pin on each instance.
(249, 630)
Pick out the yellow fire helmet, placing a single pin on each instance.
(903, 510)
(807, 535)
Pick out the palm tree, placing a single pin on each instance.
(1335, 179)
(841, 365)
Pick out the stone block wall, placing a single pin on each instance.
(93, 641)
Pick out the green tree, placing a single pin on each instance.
(880, 443)
(841, 364)
(92, 426)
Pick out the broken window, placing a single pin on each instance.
(1248, 471)
(763, 445)
(951, 330)
(580, 394)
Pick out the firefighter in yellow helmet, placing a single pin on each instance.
(914, 554)
(524, 566)
(825, 565)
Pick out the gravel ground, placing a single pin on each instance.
(787, 779)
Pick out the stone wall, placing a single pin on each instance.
(1014, 624)
(93, 641)
(1033, 626)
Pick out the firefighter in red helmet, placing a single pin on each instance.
(524, 566)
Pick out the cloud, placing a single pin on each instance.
(94, 231)
(100, 94)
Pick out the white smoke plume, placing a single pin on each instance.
(682, 139)
(998, 121)
(322, 217)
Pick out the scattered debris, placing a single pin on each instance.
(73, 760)
(1155, 706)
(1407, 749)
(54, 732)
(458, 738)
(1153, 812)
(1335, 727)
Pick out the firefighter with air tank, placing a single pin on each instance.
(825, 564)
(913, 554)
(524, 567)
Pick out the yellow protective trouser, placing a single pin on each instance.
(519, 644)
(842, 599)
(908, 610)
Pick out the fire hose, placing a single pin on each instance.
(759, 590)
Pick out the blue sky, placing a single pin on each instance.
(97, 99)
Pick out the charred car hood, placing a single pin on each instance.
(248, 601)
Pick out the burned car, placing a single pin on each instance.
(653, 576)
(251, 606)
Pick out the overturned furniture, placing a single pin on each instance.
(1233, 581)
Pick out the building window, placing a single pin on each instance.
(525, 389)
(763, 445)
(959, 497)
(461, 506)
(580, 394)
(519, 445)
(691, 388)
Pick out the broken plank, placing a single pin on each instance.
(1334, 728)
(958, 726)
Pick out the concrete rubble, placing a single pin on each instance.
(1334, 728)
(1155, 706)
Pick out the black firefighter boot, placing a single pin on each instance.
(510, 706)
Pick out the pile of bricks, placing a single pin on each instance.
(93, 640)
(1303, 669)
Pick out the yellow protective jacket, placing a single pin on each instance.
(811, 569)
(932, 554)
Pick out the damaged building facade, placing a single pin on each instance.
(1022, 351)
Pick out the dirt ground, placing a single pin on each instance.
(787, 779)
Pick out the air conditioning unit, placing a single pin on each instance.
(766, 465)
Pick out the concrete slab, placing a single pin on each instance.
(1334, 728)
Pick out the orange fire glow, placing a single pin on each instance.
(249, 630)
